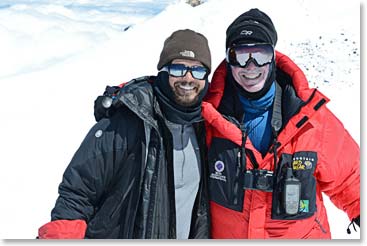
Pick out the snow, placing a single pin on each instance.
(57, 56)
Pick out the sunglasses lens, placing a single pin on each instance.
(241, 55)
(199, 72)
(180, 70)
(263, 57)
(177, 70)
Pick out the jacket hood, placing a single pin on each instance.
(284, 65)
(296, 97)
(137, 95)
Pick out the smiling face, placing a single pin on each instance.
(186, 88)
(251, 78)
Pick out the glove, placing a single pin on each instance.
(103, 107)
(63, 229)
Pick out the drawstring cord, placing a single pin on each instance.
(354, 227)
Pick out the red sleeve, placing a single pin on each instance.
(63, 229)
(339, 169)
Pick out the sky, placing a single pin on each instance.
(58, 56)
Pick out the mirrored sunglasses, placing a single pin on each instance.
(242, 55)
(180, 70)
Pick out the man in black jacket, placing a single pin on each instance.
(141, 173)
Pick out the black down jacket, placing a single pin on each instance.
(120, 181)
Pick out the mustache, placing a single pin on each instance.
(185, 82)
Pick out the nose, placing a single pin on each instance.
(251, 65)
(188, 76)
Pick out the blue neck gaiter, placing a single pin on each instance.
(258, 113)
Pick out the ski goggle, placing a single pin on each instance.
(180, 70)
(242, 55)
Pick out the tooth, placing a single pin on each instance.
(186, 87)
(252, 76)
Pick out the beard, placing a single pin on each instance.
(186, 102)
(186, 93)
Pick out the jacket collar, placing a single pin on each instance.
(138, 96)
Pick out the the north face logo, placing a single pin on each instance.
(187, 53)
(246, 32)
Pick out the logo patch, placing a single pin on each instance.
(246, 32)
(302, 163)
(219, 168)
(304, 206)
(188, 53)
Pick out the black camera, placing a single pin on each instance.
(258, 179)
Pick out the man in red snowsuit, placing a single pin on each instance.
(281, 148)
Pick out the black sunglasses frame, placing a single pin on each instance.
(184, 69)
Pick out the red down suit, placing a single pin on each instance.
(312, 141)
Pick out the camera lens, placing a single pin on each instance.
(262, 183)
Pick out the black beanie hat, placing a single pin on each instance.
(253, 26)
(185, 44)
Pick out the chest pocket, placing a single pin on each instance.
(225, 175)
(302, 165)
